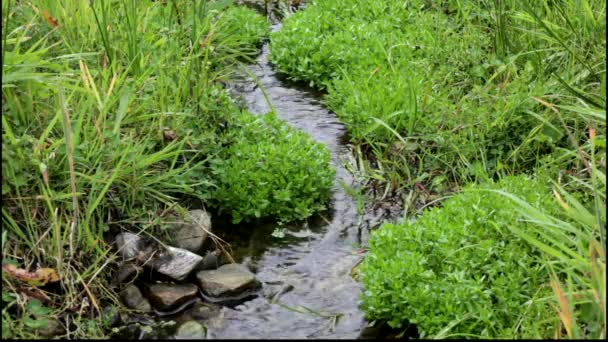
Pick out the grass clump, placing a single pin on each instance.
(272, 171)
(459, 271)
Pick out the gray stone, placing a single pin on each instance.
(128, 272)
(191, 235)
(191, 330)
(129, 244)
(166, 296)
(228, 280)
(176, 263)
(133, 299)
(211, 261)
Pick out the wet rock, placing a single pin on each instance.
(133, 299)
(166, 296)
(176, 263)
(129, 244)
(127, 273)
(228, 280)
(204, 311)
(191, 235)
(210, 261)
(191, 330)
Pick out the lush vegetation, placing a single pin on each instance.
(114, 116)
(440, 94)
(460, 266)
(272, 170)
(466, 84)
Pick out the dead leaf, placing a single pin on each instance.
(42, 276)
(49, 19)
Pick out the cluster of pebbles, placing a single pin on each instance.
(165, 280)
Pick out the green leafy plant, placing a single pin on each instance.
(458, 270)
(463, 83)
(272, 171)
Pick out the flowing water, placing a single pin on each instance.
(308, 288)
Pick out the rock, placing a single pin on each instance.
(166, 296)
(204, 311)
(128, 272)
(228, 280)
(191, 330)
(133, 299)
(210, 261)
(176, 263)
(191, 235)
(129, 244)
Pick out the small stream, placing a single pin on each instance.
(308, 289)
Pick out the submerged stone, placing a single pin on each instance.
(166, 296)
(228, 280)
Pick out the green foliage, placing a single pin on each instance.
(460, 82)
(458, 270)
(111, 111)
(272, 171)
(245, 26)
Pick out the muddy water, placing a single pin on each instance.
(308, 289)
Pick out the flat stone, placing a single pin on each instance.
(191, 330)
(129, 244)
(191, 235)
(176, 263)
(133, 299)
(165, 296)
(228, 280)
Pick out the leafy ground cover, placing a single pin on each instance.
(444, 94)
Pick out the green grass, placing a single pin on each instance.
(112, 111)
